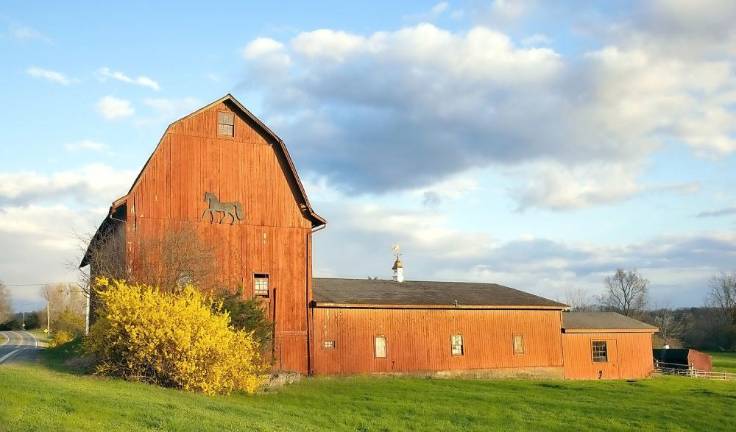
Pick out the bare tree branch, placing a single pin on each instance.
(723, 295)
(626, 292)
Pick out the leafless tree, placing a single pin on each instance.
(6, 311)
(177, 258)
(104, 252)
(723, 295)
(626, 292)
(579, 300)
(671, 327)
(65, 305)
(168, 262)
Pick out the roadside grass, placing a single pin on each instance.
(724, 361)
(40, 335)
(51, 396)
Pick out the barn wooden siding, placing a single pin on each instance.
(274, 236)
(629, 355)
(419, 340)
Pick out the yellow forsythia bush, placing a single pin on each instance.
(171, 339)
(60, 337)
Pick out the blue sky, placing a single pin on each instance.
(536, 144)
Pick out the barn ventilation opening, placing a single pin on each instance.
(225, 124)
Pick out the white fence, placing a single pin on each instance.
(663, 368)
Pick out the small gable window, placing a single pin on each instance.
(260, 284)
(456, 345)
(600, 352)
(225, 124)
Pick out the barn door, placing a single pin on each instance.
(611, 369)
(613, 358)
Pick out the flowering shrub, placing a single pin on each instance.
(176, 340)
(60, 337)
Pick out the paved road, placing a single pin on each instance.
(16, 346)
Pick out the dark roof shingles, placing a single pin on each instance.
(602, 321)
(386, 292)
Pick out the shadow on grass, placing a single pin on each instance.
(68, 358)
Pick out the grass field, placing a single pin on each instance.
(724, 361)
(47, 397)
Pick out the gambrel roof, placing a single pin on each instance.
(270, 136)
(265, 131)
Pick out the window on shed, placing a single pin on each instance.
(456, 345)
(518, 344)
(260, 284)
(225, 123)
(380, 346)
(600, 352)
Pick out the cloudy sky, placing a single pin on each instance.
(539, 145)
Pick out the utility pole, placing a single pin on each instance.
(48, 318)
(86, 314)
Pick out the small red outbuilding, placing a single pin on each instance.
(606, 345)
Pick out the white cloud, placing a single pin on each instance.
(433, 249)
(105, 73)
(83, 145)
(43, 217)
(436, 11)
(267, 55)
(504, 11)
(327, 44)
(25, 33)
(41, 244)
(95, 183)
(449, 189)
(537, 39)
(48, 75)
(171, 108)
(405, 109)
(553, 186)
(439, 8)
(113, 108)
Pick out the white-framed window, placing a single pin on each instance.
(600, 351)
(225, 123)
(328, 344)
(456, 345)
(260, 284)
(518, 344)
(379, 344)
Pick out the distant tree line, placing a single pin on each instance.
(66, 305)
(708, 327)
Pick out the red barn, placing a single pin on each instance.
(224, 150)
(226, 176)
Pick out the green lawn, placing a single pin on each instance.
(724, 361)
(45, 397)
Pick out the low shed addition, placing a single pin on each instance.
(606, 345)
(382, 326)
